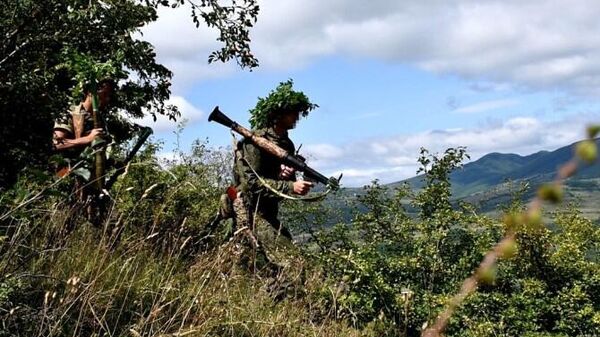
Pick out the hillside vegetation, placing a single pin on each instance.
(143, 262)
(153, 268)
(496, 178)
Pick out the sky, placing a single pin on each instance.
(391, 77)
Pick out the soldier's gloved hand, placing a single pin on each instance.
(302, 187)
(286, 172)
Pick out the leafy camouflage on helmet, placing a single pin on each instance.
(279, 101)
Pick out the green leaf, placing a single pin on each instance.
(593, 131)
(508, 250)
(487, 275)
(551, 192)
(587, 150)
(280, 100)
(98, 142)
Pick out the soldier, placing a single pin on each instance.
(75, 131)
(262, 178)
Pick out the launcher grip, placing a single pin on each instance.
(300, 165)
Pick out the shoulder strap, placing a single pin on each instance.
(317, 197)
(240, 155)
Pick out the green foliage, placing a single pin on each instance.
(149, 271)
(546, 285)
(233, 21)
(593, 131)
(587, 150)
(435, 197)
(550, 192)
(145, 272)
(88, 72)
(384, 252)
(42, 38)
(8, 287)
(279, 101)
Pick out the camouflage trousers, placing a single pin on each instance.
(271, 252)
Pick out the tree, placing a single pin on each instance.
(435, 197)
(394, 268)
(36, 82)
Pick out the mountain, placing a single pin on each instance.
(493, 179)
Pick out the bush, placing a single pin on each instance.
(149, 270)
(395, 272)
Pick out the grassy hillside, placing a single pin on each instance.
(154, 269)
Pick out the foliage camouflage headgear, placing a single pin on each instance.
(279, 101)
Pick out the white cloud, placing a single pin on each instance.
(183, 48)
(167, 157)
(176, 34)
(324, 151)
(538, 44)
(395, 158)
(498, 44)
(356, 177)
(189, 113)
(487, 106)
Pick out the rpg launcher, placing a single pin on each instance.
(268, 146)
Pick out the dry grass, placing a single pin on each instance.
(101, 282)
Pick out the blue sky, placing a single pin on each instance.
(495, 76)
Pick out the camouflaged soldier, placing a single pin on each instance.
(75, 131)
(262, 178)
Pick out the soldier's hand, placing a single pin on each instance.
(302, 187)
(286, 172)
(94, 133)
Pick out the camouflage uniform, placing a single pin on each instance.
(275, 247)
(76, 122)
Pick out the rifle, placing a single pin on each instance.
(100, 157)
(145, 133)
(289, 159)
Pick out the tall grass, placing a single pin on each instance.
(152, 269)
(144, 272)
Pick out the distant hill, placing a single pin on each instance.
(491, 180)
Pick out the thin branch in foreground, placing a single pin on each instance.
(586, 151)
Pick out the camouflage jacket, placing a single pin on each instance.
(75, 113)
(75, 122)
(268, 168)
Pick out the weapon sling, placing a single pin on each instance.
(263, 182)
